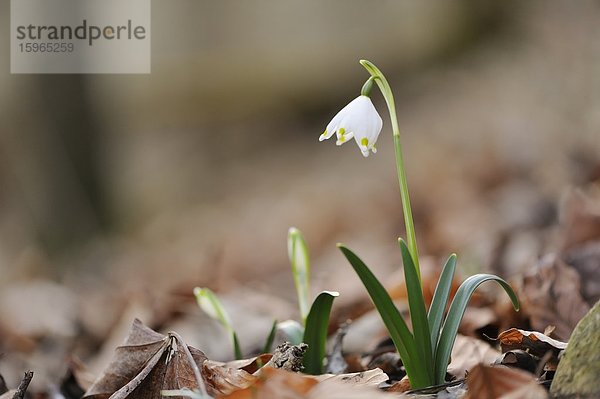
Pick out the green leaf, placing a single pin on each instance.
(440, 300)
(455, 314)
(300, 261)
(395, 324)
(270, 338)
(237, 350)
(418, 312)
(209, 303)
(315, 333)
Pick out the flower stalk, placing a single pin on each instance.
(386, 91)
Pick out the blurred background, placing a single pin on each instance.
(121, 189)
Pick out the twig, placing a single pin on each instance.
(23, 385)
(436, 388)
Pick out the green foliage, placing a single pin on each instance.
(270, 338)
(300, 262)
(208, 301)
(426, 351)
(440, 300)
(455, 314)
(315, 334)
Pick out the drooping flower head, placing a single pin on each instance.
(359, 120)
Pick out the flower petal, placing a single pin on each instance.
(359, 120)
(325, 135)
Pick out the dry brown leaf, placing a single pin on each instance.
(334, 389)
(250, 365)
(370, 378)
(400, 386)
(276, 384)
(533, 342)
(498, 382)
(281, 384)
(225, 380)
(551, 295)
(467, 353)
(145, 365)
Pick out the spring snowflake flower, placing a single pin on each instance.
(359, 120)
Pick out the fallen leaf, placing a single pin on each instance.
(282, 384)
(533, 342)
(225, 380)
(276, 384)
(334, 389)
(371, 378)
(400, 386)
(498, 382)
(250, 365)
(551, 295)
(467, 353)
(146, 364)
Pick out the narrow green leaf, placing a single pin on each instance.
(455, 314)
(440, 300)
(210, 304)
(395, 324)
(270, 338)
(418, 312)
(300, 261)
(237, 350)
(315, 333)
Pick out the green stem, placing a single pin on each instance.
(386, 91)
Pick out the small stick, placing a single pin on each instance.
(23, 385)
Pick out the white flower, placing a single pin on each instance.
(359, 120)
